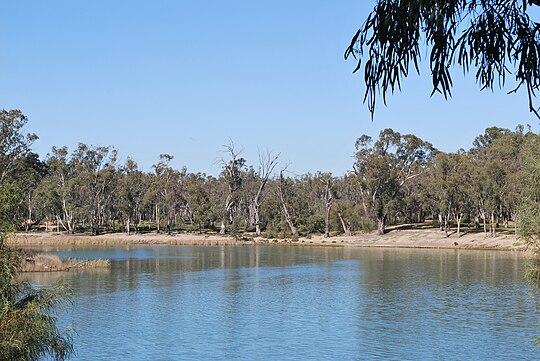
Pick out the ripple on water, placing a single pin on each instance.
(251, 303)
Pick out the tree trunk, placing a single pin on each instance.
(128, 229)
(68, 216)
(329, 202)
(157, 218)
(446, 225)
(289, 220)
(458, 218)
(257, 219)
(441, 223)
(60, 222)
(381, 220)
(222, 229)
(286, 213)
(483, 215)
(327, 223)
(138, 223)
(345, 224)
(29, 220)
(493, 230)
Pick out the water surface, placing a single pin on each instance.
(295, 303)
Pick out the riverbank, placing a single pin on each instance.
(407, 238)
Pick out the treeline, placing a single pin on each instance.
(395, 179)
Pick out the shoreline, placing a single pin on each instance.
(408, 238)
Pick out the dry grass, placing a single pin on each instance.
(42, 262)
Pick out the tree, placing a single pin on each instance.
(232, 173)
(498, 163)
(198, 200)
(529, 212)
(282, 193)
(63, 179)
(267, 163)
(95, 168)
(383, 169)
(496, 37)
(328, 201)
(451, 178)
(29, 174)
(167, 184)
(130, 193)
(14, 142)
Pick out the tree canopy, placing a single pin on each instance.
(396, 179)
(495, 37)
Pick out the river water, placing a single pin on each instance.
(299, 303)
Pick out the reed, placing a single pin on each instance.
(43, 262)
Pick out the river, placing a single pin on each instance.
(298, 303)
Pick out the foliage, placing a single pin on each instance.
(14, 142)
(384, 168)
(396, 179)
(28, 327)
(496, 37)
(529, 215)
(532, 273)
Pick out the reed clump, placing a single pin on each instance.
(43, 262)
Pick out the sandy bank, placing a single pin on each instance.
(415, 238)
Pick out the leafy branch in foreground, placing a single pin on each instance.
(493, 36)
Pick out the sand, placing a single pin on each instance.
(409, 238)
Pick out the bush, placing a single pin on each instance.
(28, 328)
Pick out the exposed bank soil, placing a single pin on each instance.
(408, 238)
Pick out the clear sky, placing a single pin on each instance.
(184, 77)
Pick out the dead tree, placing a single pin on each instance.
(286, 213)
(267, 163)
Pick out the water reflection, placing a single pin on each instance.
(175, 302)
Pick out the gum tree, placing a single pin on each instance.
(383, 167)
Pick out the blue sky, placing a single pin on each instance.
(184, 77)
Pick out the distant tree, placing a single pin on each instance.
(267, 163)
(384, 167)
(95, 168)
(198, 201)
(30, 172)
(167, 184)
(348, 211)
(283, 190)
(495, 157)
(232, 173)
(451, 180)
(130, 193)
(496, 37)
(328, 200)
(14, 141)
(62, 187)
